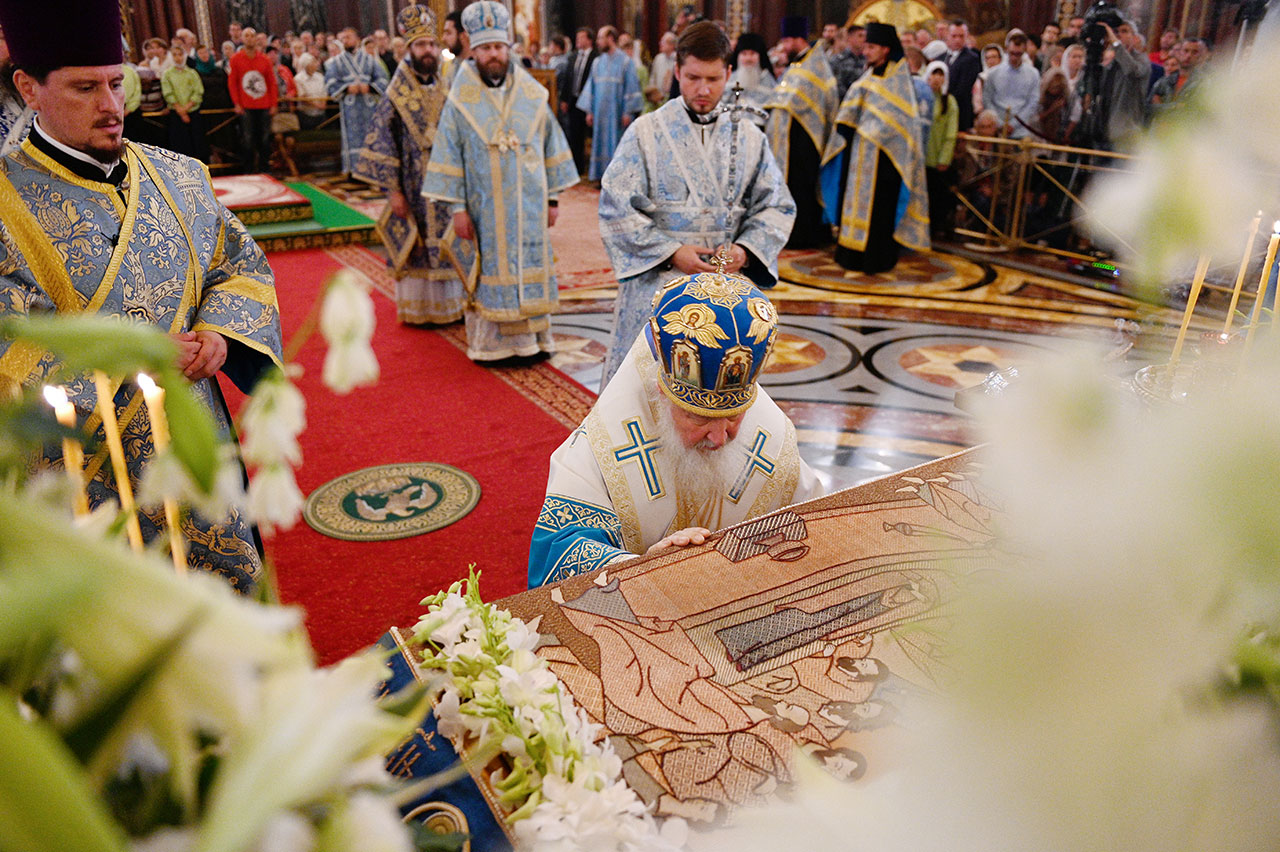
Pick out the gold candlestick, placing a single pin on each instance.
(1244, 265)
(72, 452)
(107, 407)
(1256, 315)
(1202, 269)
(153, 395)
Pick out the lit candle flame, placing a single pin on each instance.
(148, 384)
(1275, 227)
(55, 396)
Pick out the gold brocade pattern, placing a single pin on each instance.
(171, 256)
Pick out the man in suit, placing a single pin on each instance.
(963, 67)
(572, 77)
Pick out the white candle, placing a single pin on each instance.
(1244, 265)
(72, 452)
(153, 395)
(1256, 316)
(1202, 269)
(107, 408)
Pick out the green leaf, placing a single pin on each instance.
(426, 840)
(34, 601)
(195, 438)
(46, 803)
(85, 342)
(96, 726)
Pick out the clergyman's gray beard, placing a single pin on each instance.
(749, 76)
(701, 475)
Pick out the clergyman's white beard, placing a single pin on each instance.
(700, 474)
(749, 76)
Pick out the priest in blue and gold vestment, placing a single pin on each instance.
(90, 222)
(682, 442)
(873, 181)
(801, 111)
(499, 159)
(394, 158)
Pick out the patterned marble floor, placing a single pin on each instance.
(868, 366)
(868, 397)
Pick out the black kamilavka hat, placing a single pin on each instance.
(57, 33)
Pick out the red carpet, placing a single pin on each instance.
(431, 404)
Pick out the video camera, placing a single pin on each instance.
(1097, 18)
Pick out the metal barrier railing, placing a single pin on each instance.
(222, 133)
(1003, 181)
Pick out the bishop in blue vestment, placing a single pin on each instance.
(395, 155)
(499, 159)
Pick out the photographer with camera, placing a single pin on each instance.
(1114, 96)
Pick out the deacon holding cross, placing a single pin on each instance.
(683, 441)
(686, 180)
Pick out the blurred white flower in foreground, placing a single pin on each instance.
(165, 477)
(1201, 175)
(310, 728)
(274, 498)
(347, 323)
(1086, 713)
(273, 418)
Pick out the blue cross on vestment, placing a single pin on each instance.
(756, 460)
(641, 450)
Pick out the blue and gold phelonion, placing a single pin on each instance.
(712, 333)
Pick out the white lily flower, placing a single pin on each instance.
(370, 772)
(273, 418)
(448, 718)
(367, 823)
(347, 312)
(350, 365)
(287, 831)
(274, 498)
(311, 726)
(209, 683)
(347, 323)
(166, 478)
(166, 840)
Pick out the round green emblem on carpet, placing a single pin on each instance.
(391, 501)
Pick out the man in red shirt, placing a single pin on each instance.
(252, 81)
